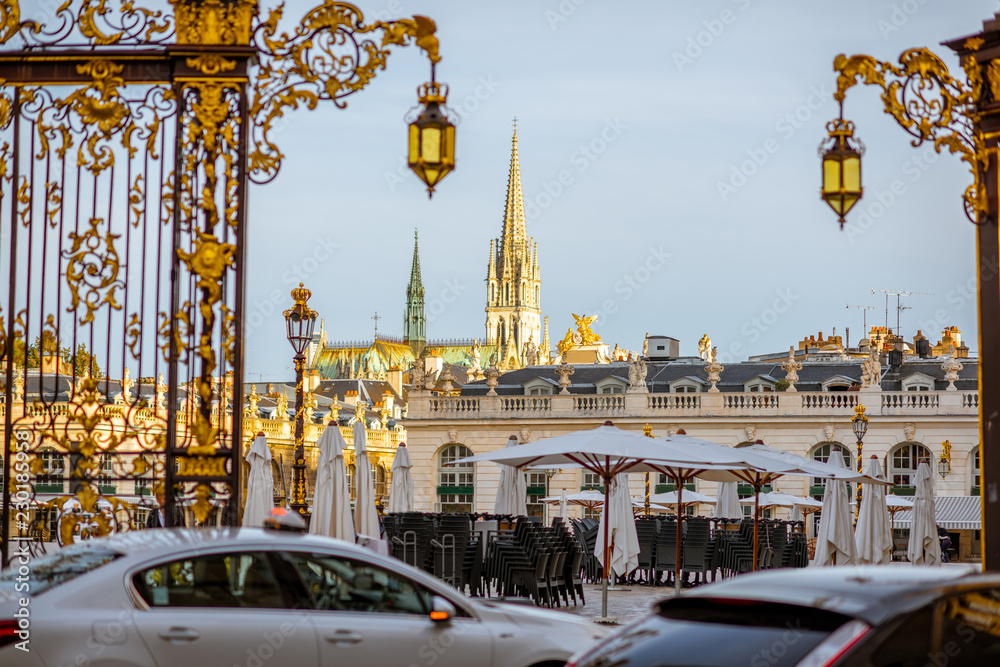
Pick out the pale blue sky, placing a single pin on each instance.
(756, 265)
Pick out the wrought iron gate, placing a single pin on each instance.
(125, 156)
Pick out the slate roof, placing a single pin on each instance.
(659, 375)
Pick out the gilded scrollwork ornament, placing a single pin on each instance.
(929, 104)
(92, 270)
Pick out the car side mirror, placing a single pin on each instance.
(442, 611)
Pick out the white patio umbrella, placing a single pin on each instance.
(607, 451)
(365, 514)
(765, 464)
(777, 499)
(872, 535)
(923, 547)
(512, 490)
(834, 539)
(332, 499)
(728, 504)
(617, 527)
(260, 484)
(689, 498)
(401, 493)
(589, 499)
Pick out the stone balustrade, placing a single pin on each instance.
(742, 404)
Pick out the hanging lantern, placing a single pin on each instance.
(432, 137)
(841, 154)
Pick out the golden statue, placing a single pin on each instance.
(583, 328)
(566, 344)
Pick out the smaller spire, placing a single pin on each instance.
(416, 286)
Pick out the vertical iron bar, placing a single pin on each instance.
(175, 295)
(242, 192)
(8, 427)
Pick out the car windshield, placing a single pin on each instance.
(705, 631)
(50, 571)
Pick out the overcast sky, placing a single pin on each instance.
(684, 135)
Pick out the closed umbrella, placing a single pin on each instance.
(834, 539)
(260, 484)
(563, 501)
(512, 491)
(401, 493)
(728, 505)
(923, 547)
(332, 499)
(365, 514)
(872, 534)
(618, 526)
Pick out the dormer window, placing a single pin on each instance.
(759, 384)
(540, 391)
(687, 385)
(539, 387)
(917, 382)
(611, 385)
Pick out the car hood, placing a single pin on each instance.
(535, 617)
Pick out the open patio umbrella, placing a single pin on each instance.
(512, 489)
(589, 499)
(607, 451)
(923, 547)
(260, 484)
(765, 464)
(872, 535)
(834, 539)
(401, 493)
(776, 499)
(332, 499)
(728, 503)
(617, 527)
(688, 497)
(365, 514)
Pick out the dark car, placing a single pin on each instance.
(903, 616)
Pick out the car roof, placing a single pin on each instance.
(143, 542)
(868, 591)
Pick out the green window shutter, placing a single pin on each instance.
(455, 490)
(592, 487)
(904, 490)
(536, 490)
(974, 491)
(667, 488)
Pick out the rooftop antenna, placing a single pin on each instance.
(899, 306)
(864, 316)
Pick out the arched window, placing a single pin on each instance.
(381, 482)
(501, 332)
(455, 483)
(52, 478)
(903, 462)
(822, 453)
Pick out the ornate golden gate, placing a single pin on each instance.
(127, 140)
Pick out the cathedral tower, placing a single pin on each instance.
(415, 320)
(513, 283)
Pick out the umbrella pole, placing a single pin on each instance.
(677, 564)
(756, 518)
(607, 526)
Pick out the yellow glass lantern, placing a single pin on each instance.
(432, 137)
(841, 154)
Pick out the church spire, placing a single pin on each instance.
(514, 234)
(415, 321)
(416, 283)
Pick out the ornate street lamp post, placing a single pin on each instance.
(860, 426)
(944, 463)
(299, 320)
(963, 117)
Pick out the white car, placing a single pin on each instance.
(184, 598)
